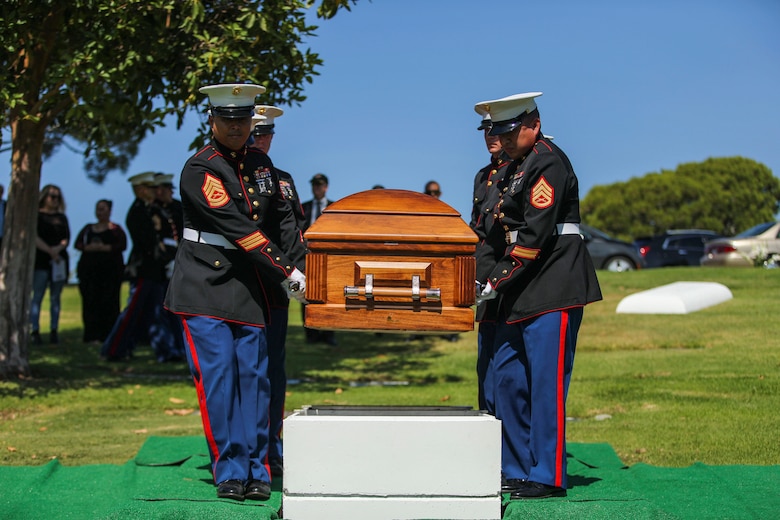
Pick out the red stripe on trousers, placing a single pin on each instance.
(112, 350)
(561, 399)
(201, 396)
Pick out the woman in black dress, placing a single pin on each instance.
(100, 270)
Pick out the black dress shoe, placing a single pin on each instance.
(536, 490)
(509, 485)
(231, 489)
(258, 490)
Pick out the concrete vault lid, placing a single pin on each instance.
(675, 298)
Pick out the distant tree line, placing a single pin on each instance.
(727, 195)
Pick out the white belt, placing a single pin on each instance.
(204, 237)
(567, 228)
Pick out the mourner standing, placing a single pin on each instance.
(543, 278)
(312, 210)
(52, 263)
(433, 189)
(100, 271)
(486, 194)
(230, 194)
(278, 302)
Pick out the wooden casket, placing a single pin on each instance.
(390, 260)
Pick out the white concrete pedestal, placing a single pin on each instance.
(393, 463)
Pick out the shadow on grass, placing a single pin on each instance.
(72, 365)
(359, 357)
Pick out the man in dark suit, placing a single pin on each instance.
(312, 210)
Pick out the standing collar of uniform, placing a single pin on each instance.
(235, 155)
(502, 158)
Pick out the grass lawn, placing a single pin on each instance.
(667, 390)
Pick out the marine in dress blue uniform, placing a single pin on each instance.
(230, 195)
(146, 271)
(542, 278)
(278, 302)
(167, 330)
(486, 194)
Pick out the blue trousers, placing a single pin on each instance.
(532, 367)
(229, 364)
(276, 335)
(144, 317)
(41, 279)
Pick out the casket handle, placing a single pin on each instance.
(370, 292)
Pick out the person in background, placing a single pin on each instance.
(486, 194)
(231, 195)
(433, 189)
(312, 210)
(263, 133)
(2, 213)
(166, 327)
(543, 276)
(167, 203)
(51, 260)
(146, 271)
(100, 270)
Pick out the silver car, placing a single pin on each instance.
(742, 250)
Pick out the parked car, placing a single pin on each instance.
(739, 250)
(675, 247)
(610, 253)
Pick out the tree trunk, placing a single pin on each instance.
(18, 248)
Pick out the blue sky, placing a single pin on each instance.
(629, 88)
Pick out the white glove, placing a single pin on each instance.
(169, 269)
(295, 285)
(488, 293)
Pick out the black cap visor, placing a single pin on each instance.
(233, 112)
(502, 127)
(264, 129)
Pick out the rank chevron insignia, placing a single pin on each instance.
(214, 191)
(542, 194)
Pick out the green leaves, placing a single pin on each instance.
(81, 62)
(726, 195)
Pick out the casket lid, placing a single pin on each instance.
(391, 215)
